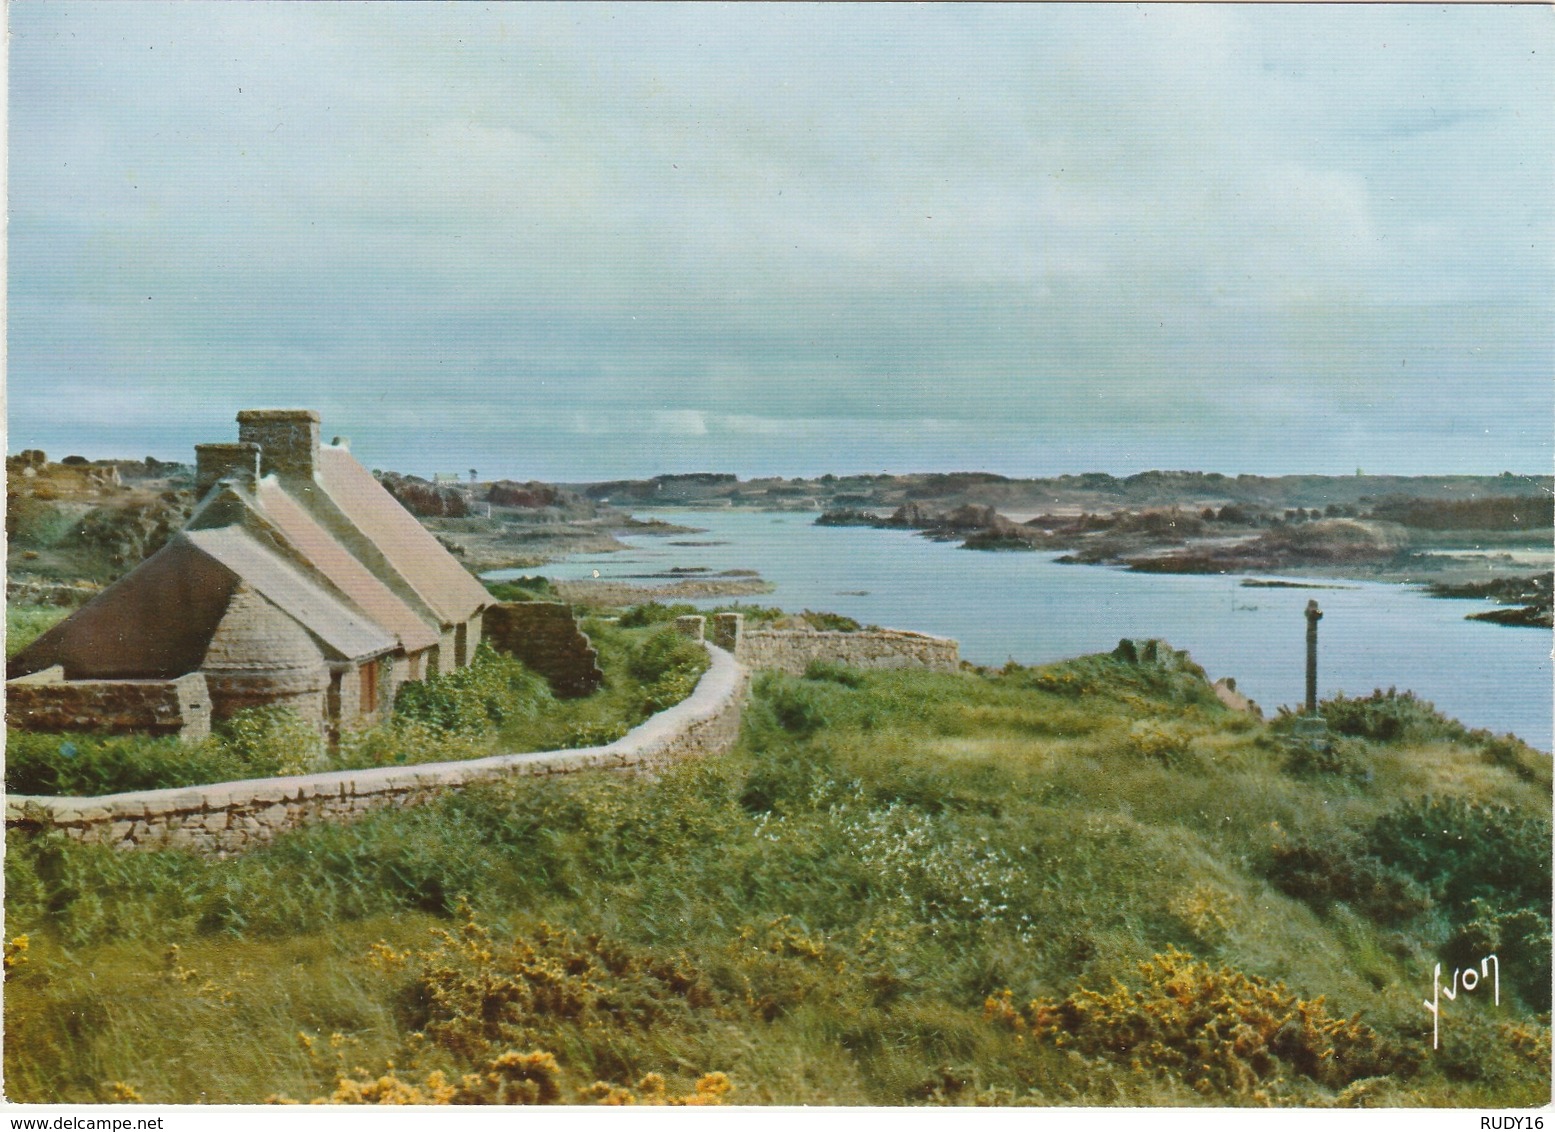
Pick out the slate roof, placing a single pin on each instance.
(315, 546)
(153, 623)
(344, 633)
(159, 619)
(448, 588)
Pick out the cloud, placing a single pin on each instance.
(701, 223)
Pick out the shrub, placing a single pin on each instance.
(1223, 1033)
(668, 666)
(273, 736)
(1461, 850)
(491, 690)
(835, 622)
(532, 1078)
(475, 995)
(654, 613)
(1340, 870)
(595, 734)
(1344, 759)
(521, 589)
(1520, 940)
(1162, 743)
(1388, 717)
(796, 707)
(834, 672)
(664, 653)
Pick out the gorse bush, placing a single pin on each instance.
(1228, 1035)
(1341, 870)
(515, 1078)
(473, 1000)
(1483, 872)
(1340, 759)
(474, 995)
(1518, 937)
(490, 691)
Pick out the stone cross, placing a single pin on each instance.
(1314, 615)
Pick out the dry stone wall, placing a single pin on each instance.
(234, 816)
(793, 650)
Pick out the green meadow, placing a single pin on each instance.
(1082, 884)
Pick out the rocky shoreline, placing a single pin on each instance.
(1374, 544)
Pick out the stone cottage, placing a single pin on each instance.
(298, 580)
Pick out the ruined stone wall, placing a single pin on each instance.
(233, 816)
(65, 594)
(793, 650)
(180, 707)
(545, 636)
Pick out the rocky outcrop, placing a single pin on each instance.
(427, 500)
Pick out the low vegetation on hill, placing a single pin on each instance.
(1085, 883)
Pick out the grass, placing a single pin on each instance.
(902, 887)
(26, 623)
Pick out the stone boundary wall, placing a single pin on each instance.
(232, 816)
(46, 701)
(792, 651)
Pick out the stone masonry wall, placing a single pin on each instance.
(793, 650)
(545, 636)
(232, 816)
(179, 707)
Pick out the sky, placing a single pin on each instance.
(578, 242)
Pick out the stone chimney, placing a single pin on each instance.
(225, 461)
(288, 439)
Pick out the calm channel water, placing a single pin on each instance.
(1027, 607)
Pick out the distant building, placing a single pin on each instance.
(298, 580)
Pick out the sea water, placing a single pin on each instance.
(1029, 608)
